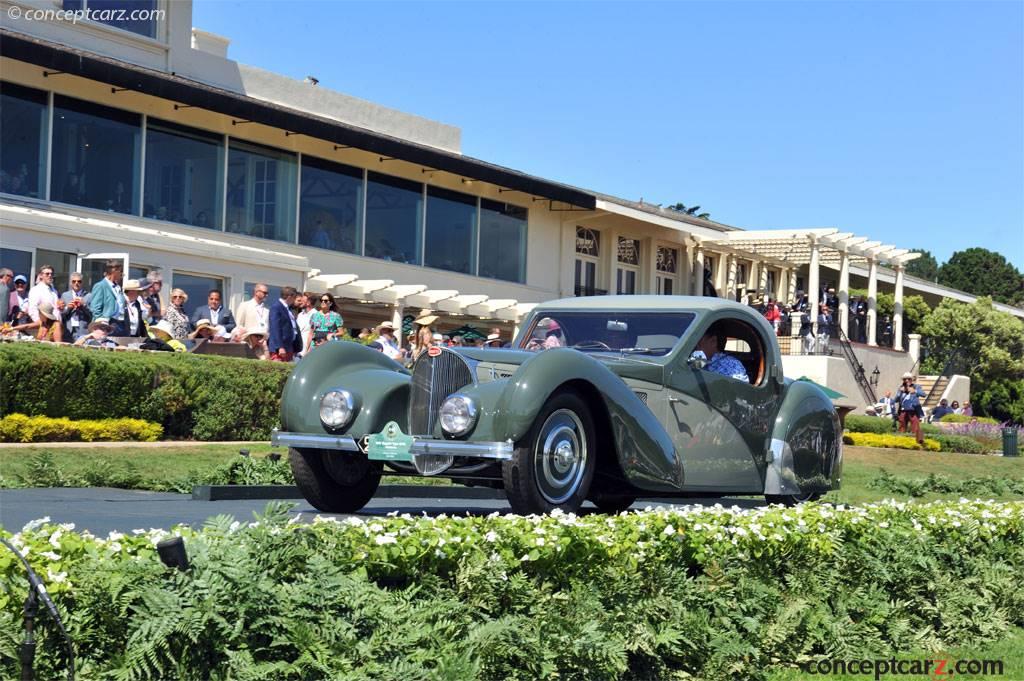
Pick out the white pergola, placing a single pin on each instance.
(828, 246)
(409, 296)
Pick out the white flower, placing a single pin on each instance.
(33, 524)
(234, 526)
(883, 525)
(385, 539)
(669, 530)
(50, 555)
(540, 541)
(491, 536)
(376, 527)
(56, 577)
(55, 538)
(114, 536)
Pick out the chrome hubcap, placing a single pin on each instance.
(560, 456)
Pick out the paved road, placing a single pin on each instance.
(101, 510)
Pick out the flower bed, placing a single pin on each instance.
(711, 592)
(890, 441)
(21, 428)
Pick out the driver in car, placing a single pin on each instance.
(712, 347)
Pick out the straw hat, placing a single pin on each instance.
(201, 325)
(46, 310)
(163, 329)
(426, 318)
(133, 285)
(102, 324)
(258, 331)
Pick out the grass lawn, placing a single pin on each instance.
(860, 466)
(1009, 651)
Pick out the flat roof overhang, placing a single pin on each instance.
(56, 57)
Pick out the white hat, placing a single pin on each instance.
(203, 324)
(258, 331)
(493, 336)
(133, 285)
(426, 318)
(163, 327)
(907, 374)
(438, 337)
(46, 310)
(386, 325)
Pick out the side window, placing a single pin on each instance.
(734, 349)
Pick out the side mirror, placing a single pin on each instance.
(698, 360)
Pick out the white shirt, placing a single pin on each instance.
(133, 319)
(39, 294)
(305, 329)
(389, 348)
(215, 315)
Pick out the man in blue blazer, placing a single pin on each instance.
(106, 299)
(284, 340)
(215, 312)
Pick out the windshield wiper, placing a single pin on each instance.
(634, 351)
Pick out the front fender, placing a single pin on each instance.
(379, 384)
(642, 447)
(806, 449)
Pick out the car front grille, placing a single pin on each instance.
(434, 379)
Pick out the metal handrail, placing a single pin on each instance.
(945, 373)
(855, 365)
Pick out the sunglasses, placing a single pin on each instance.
(76, 281)
(325, 300)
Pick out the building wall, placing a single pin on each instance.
(835, 372)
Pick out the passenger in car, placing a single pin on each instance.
(712, 345)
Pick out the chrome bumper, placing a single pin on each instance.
(420, 446)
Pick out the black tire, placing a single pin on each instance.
(792, 499)
(554, 463)
(335, 482)
(612, 503)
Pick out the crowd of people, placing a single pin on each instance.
(283, 330)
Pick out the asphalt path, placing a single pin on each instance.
(102, 510)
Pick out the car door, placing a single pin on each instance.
(720, 425)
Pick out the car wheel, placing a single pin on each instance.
(612, 503)
(552, 466)
(792, 499)
(335, 482)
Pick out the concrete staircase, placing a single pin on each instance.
(933, 387)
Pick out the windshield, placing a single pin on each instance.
(649, 333)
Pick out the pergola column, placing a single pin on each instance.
(697, 280)
(897, 311)
(813, 285)
(872, 301)
(730, 277)
(396, 320)
(844, 292)
(762, 280)
(791, 286)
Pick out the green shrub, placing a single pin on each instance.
(964, 418)
(959, 443)
(709, 593)
(889, 441)
(21, 428)
(917, 487)
(869, 424)
(191, 396)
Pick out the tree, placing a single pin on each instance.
(925, 267)
(984, 273)
(915, 309)
(989, 344)
(691, 211)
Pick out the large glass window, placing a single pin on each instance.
(450, 242)
(502, 241)
(261, 192)
(23, 121)
(198, 287)
(184, 175)
(19, 262)
(137, 16)
(95, 156)
(331, 205)
(394, 213)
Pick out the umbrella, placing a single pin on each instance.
(467, 332)
(832, 394)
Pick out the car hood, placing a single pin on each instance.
(498, 363)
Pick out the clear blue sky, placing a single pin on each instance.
(900, 121)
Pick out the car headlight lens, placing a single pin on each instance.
(337, 408)
(458, 414)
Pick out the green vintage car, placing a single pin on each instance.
(604, 398)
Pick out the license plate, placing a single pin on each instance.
(391, 444)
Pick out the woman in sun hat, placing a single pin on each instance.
(163, 332)
(98, 336)
(256, 339)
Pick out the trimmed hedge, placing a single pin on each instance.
(191, 396)
(960, 444)
(869, 424)
(964, 418)
(21, 428)
(709, 593)
(890, 441)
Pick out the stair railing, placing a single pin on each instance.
(858, 369)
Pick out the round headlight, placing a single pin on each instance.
(458, 414)
(337, 408)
